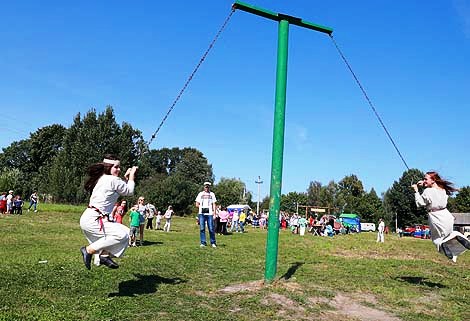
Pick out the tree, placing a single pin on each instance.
(229, 191)
(290, 201)
(45, 144)
(17, 155)
(264, 205)
(329, 196)
(350, 193)
(370, 207)
(314, 193)
(461, 203)
(193, 166)
(399, 200)
(174, 190)
(10, 179)
(85, 143)
(174, 177)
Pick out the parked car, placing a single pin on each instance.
(418, 231)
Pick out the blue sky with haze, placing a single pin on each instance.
(59, 58)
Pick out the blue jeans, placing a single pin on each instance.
(31, 204)
(202, 228)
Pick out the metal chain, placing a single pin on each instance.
(190, 78)
(370, 102)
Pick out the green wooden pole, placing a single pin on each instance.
(279, 124)
(278, 152)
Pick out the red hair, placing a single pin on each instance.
(442, 183)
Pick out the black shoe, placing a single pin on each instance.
(106, 260)
(465, 242)
(86, 257)
(447, 251)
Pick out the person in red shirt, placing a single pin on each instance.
(119, 211)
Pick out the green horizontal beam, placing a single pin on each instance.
(279, 16)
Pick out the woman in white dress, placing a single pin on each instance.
(106, 239)
(441, 221)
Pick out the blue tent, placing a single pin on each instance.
(353, 220)
(239, 207)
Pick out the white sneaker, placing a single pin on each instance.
(202, 245)
(454, 259)
(96, 259)
(213, 245)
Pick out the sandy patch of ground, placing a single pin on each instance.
(250, 286)
(350, 308)
(340, 307)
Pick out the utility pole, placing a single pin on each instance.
(283, 21)
(396, 222)
(259, 182)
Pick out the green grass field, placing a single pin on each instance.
(348, 277)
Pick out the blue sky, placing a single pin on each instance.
(58, 58)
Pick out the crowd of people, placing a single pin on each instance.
(108, 237)
(13, 204)
(142, 215)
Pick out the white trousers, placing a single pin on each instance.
(111, 237)
(380, 237)
(167, 225)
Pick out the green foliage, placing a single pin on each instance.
(229, 191)
(351, 192)
(399, 200)
(264, 205)
(194, 167)
(85, 143)
(174, 190)
(290, 201)
(174, 177)
(370, 207)
(46, 143)
(329, 196)
(314, 193)
(10, 179)
(461, 203)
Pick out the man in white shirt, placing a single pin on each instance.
(380, 233)
(205, 202)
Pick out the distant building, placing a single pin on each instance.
(462, 223)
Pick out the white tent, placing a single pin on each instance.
(239, 207)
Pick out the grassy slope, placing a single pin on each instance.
(171, 278)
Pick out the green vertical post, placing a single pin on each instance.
(278, 152)
(279, 123)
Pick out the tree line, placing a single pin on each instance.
(54, 159)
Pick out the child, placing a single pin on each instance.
(159, 220)
(18, 205)
(134, 217)
(3, 203)
(168, 214)
(33, 201)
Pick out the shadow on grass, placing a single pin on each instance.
(418, 280)
(147, 243)
(144, 284)
(290, 272)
